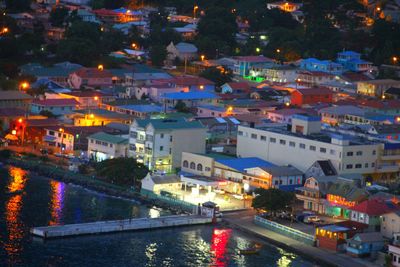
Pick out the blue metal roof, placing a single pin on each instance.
(142, 108)
(306, 117)
(241, 164)
(334, 228)
(349, 53)
(189, 95)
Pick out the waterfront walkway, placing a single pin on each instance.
(245, 221)
(118, 226)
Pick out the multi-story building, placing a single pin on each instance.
(352, 61)
(102, 146)
(313, 64)
(305, 144)
(159, 143)
(376, 88)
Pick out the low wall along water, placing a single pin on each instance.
(285, 230)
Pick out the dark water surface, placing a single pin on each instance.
(27, 201)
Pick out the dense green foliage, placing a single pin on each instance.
(217, 76)
(272, 200)
(121, 171)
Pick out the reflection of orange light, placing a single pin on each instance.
(18, 179)
(57, 202)
(12, 212)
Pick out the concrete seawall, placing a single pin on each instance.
(118, 226)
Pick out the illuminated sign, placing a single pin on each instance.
(338, 200)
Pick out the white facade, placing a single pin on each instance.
(100, 150)
(394, 251)
(283, 148)
(58, 139)
(161, 149)
(390, 224)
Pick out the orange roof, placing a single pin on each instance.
(379, 104)
(314, 91)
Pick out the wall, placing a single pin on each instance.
(187, 140)
(206, 162)
(390, 224)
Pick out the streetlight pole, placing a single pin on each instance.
(61, 130)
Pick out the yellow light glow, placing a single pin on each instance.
(61, 130)
(13, 132)
(202, 57)
(24, 85)
(92, 116)
(96, 98)
(133, 45)
(20, 120)
(278, 50)
(100, 67)
(394, 59)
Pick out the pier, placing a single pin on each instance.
(101, 227)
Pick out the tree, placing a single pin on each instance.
(47, 113)
(272, 200)
(219, 77)
(158, 54)
(181, 107)
(18, 5)
(58, 16)
(121, 171)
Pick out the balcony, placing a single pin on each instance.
(390, 157)
(140, 141)
(149, 138)
(308, 195)
(387, 168)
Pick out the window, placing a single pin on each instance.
(272, 140)
(170, 138)
(322, 149)
(192, 165)
(51, 133)
(374, 152)
(111, 145)
(253, 136)
(282, 142)
(199, 167)
(372, 164)
(161, 148)
(98, 142)
(350, 153)
(302, 146)
(170, 151)
(91, 141)
(292, 144)
(359, 153)
(263, 138)
(162, 135)
(207, 169)
(240, 133)
(332, 152)
(366, 165)
(313, 148)
(358, 166)
(349, 166)
(185, 164)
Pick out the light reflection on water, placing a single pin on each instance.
(45, 201)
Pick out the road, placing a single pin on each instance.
(244, 221)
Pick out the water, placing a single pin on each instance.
(48, 202)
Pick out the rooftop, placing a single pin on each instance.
(143, 108)
(101, 136)
(241, 164)
(14, 95)
(254, 59)
(56, 102)
(374, 207)
(189, 95)
(167, 124)
(93, 73)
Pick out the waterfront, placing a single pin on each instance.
(28, 201)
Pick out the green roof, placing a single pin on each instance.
(166, 124)
(114, 139)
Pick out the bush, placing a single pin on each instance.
(5, 154)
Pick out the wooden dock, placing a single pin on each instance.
(118, 226)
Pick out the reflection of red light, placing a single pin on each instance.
(220, 239)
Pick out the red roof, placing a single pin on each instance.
(355, 77)
(42, 122)
(316, 73)
(56, 102)
(254, 59)
(314, 91)
(374, 207)
(379, 104)
(189, 80)
(93, 73)
(86, 94)
(239, 85)
(105, 12)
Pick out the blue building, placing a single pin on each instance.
(328, 66)
(55, 106)
(245, 64)
(363, 244)
(352, 61)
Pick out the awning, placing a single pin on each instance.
(11, 137)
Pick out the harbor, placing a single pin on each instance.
(111, 226)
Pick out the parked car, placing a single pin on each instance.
(300, 217)
(219, 191)
(311, 219)
(237, 196)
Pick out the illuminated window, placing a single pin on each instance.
(185, 164)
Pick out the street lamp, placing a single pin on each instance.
(395, 59)
(4, 30)
(61, 130)
(278, 50)
(100, 67)
(133, 45)
(96, 98)
(24, 86)
(194, 11)
(202, 57)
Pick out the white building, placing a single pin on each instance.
(394, 252)
(104, 146)
(305, 144)
(159, 143)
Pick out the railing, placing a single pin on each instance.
(285, 230)
(169, 200)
